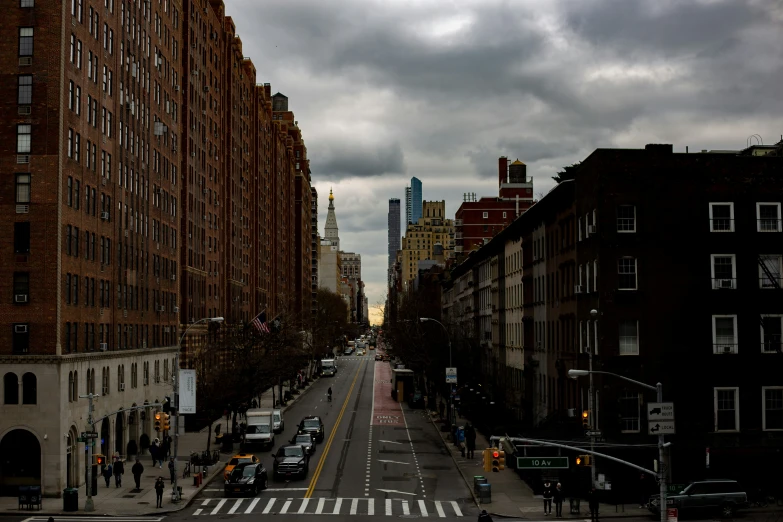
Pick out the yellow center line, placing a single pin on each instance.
(325, 452)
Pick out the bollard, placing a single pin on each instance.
(195, 479)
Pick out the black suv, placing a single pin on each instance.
(313, 425)
(246, 478)
(291, 460)
(706, 496)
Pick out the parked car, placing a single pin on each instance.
(291, 461)
(246, 478)
(305, 440)
(278, 423)
(704, 497)
(313, 425)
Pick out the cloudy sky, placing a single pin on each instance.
(388, 89)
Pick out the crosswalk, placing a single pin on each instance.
(328, 506)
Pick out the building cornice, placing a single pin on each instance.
(78, 357)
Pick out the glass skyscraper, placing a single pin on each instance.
(413, 201)
(394, 230)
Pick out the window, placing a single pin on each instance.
(29, 388)
(726, 409)
(629, 406)
(771, 329)
(724, 333)
(626, 272)
(23, 139)
(721, 217)
(22, 189)
(10, 388)
(768, 217)
(772, 415)
(770, 268)
(27, 3)
(485, 215)
(724, 271)
(21, 286)
(22, 237)
(629, 337)
(24, 89)
(626, 218)
(21, 337)
(25, 41)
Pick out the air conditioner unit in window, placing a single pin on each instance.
(726, 283)
(579, 289)
(161, 308)
(122, 386)
(206, 88)
(22, 209)
(176, 309)
(103, 181)
(22, 158)
(104, 347)
(20, 298)
(728, 349)
(26, 60)
(592, 229)
(20, 328)
(173, 277)
(105, 216)
(24, 110)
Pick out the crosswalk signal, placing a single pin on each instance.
(100, 459)
(586, 419)
(488, 459)
(157, 421)
(583, 460)
(165, 426)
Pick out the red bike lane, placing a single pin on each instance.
(386, 411)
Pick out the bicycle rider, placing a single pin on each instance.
(329, 393)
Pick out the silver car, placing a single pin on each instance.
(278, 423)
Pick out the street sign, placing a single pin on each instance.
(671, 514)
(660, 411)
(542, 463)
(451, 376)
(89, 435)
(661, 427)
(593, 433)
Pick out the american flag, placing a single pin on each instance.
(259, 322)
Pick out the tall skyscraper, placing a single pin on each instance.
(407, 205)
(415, 200)
(394, 229)
(330, 229)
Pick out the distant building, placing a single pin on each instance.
(413, 195)
(393, 230)
(432, 235)
(477, 221)
(329, 264)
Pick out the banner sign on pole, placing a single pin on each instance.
(187, 391)
(451, 376)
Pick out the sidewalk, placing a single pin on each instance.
(126, 500)
(511, 496)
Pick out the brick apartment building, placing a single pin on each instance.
(679, 255)
(477, 221)
(142, 156)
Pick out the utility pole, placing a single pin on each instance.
(175, 411)
(592, 416)
(88, 504)
(661, 471)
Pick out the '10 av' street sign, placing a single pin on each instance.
(542, 462)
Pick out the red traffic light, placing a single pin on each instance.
(495, 454)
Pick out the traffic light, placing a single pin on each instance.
(100, 459)
(165, 426)
(488, 459)
(501, 460)
(157, 421)
(583, 460)
(495, 460)
(586, 419)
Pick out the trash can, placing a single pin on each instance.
(478, 481)
(24, 496)
(70, 499)
(574, 505)
(485, 493)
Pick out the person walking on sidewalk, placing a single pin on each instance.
(107, 474)
(548, 493)
(557, 496)
(484, 516)
(137, 470)
(470, 439)
(172, 471)
(119, 469)
(159, 487)
(592, 501)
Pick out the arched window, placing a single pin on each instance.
(29, 388)
(10, 388)
(119, 377)
(89, 388)
(75, 390)
(70, 386)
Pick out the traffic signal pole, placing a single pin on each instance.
(89, 505)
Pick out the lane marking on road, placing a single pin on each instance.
(285, 507)
(337, 505)
(456, 508)
(319, 509)
(252, 506)
(325, 452)
(393, 461)
(390, 441)
(286, 489)
(388, 507)
(413, 452)
(395, 491)
(268, 507)
(439, 509)
(354, 505)
(235, 506)
(220, 505)
(370, 507)
(423, 508)
(405, 509)
(303, 507)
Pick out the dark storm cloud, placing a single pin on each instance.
(351, 159)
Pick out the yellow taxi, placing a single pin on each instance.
(239, 458)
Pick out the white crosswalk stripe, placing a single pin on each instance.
(329, 506)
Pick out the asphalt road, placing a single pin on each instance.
(374, 461)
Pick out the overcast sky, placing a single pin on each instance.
(388, 89)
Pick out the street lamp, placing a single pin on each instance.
(448, 338)
(658, 389)
(175, 491)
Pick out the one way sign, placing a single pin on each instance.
(661, 427)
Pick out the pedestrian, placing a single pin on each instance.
(557, 496)
(119, 469)
(107, 472)
(470, 439)
(172, 470)
(137, 470)
(592, 501)
(484, 516)
(441, 408)
(159, 487)
(253, 404)
(548, 493)
(166, 449)
(154, 450)
(643, 490)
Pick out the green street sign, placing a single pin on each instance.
(542, 463)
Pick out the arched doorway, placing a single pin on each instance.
(71, 451)
(132, 448)
(20, 461)
(105, 441)
(119, 433)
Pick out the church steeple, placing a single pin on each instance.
(330, 229)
